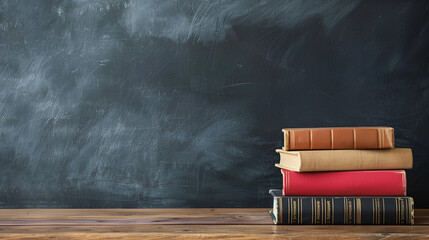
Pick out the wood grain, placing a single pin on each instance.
(182, 224)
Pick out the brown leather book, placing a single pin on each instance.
(338, 138)
(343, 160)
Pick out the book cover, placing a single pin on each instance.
(343, 160)
(341, 210)
(345, 183)
(338, 138)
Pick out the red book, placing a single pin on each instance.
(346, 183)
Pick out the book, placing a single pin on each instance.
(343, 160)
(346, 183)
(338, 138)
(341, 210)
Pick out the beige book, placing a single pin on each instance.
(342, 160)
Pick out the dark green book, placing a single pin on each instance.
(341, 210)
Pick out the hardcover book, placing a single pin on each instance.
(341, 210)
(338, 138)
(346, 183)
(343, 160)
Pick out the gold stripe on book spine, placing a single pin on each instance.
(318, 218)
(358, 211)
(328, 211)
(377, 207)
(315, 211)
(376, 211)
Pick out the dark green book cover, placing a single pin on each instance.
(341, 210)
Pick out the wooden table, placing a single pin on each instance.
(181, 224)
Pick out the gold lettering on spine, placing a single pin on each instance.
(358, 211)
(350, 212)
(373, 212)
(328, 212)
(402, 211)
(318, 217)
(294, 212)
(411, 207)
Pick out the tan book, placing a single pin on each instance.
(343, 160)
(338, 138)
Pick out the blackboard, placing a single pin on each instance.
(181, 103)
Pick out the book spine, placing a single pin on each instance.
(338, 138)
(347, 183)
(343, 160)
(345, 210)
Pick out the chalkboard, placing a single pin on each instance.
(181, 103)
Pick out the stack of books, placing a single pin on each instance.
(343, 176)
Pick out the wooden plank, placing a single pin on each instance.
(182, 224)
(213, 231)
(136, 216)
